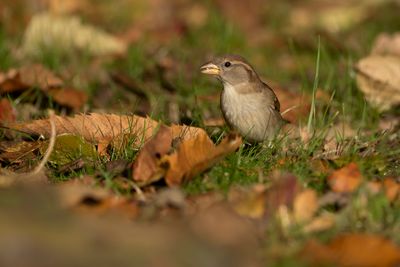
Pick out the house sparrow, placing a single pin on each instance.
(248, 104)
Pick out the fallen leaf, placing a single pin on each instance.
(37, 76)
(305, 206)
(68, 148)
(72, 166)
(94, 127)
(346, 179)
(392, 189)
(17, 152)
(68, 34)
(195, 155)
(66, 6)
(353, 250)
(293, 106)
(146, 167)
(249, 202)
(323, 222)
(117, 167)
(378, 77)
(81, 197)
(30, 76)
(296, 106)
(7, 112)
(69, 97)
(387, 44)
(389, 186)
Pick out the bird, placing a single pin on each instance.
(248, 105)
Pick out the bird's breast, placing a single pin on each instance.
(248, 113)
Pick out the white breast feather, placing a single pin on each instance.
(247, 113)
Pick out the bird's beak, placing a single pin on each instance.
(210, 68)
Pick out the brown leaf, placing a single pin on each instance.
(321, 223)
(7, 111)
(37, 76)
(392, 189)
(296, 106)
(353, 250)
(28, 77)
(146, 167)
(83, 197)
(389, 186)
(69, 97)
(378, 77)
(305, 206)
(18, 152)
(249, 202)
(386, 44)
(95, 127)
(346, 179)
(282, 192)
(195, 155)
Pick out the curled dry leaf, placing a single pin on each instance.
(378, 77)
(353, 250)
(146, 167)
(195, 155)
(68, 34)
(346, 179)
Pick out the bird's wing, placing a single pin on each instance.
(271, 95)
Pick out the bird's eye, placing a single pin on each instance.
(227, 64)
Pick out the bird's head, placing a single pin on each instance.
(230, 69)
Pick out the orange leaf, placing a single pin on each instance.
(145, 168)
(346, 179)
(195, 155)
(353, 250)
(69, 97)
(7, 112)
(392, 188)
(305, 205)
(27, 77)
